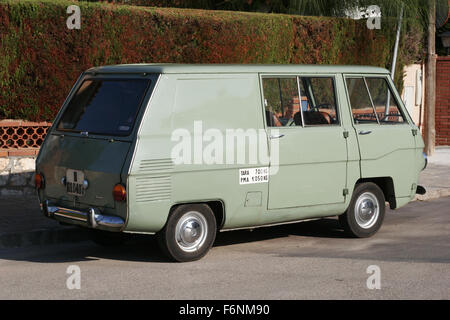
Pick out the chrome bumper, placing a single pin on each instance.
(92, 218)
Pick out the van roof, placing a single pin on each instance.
(234, 68)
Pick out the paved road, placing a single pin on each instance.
(311, 260)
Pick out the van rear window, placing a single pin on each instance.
(104, 106)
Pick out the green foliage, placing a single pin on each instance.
(40, 58)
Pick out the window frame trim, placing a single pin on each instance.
(371, 100)
(405, 115)
(400, 106)
(106, 77)
(297, 76)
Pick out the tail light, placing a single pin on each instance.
(119, 193)
(39, 181)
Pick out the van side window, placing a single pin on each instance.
(281, 101)
(384, 102)
(300, 101)
(318, 101)
(362, 108)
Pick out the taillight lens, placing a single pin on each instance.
(119, 193)
(39, 181)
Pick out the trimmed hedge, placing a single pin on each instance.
(40, 58)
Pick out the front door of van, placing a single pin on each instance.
(386, 139)
(308, 148)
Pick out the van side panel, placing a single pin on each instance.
(188, 116)
(150, 172)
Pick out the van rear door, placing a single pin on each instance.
(83, 157)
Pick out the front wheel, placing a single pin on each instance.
(189, 232)
(365, 213)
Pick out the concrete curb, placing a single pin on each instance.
(432, 194)
(43, 237)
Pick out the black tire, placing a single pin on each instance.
(366, 211)
(199, 225)
(107, 238)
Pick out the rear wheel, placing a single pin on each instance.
(365, 213)
(189, 232)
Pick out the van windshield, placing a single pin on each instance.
(104, 106)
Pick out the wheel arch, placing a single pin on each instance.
(386, 184)
(217, 207)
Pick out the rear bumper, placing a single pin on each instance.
(92, 218)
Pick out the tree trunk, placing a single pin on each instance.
(430, 88)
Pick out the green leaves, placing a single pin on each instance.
(40, 58)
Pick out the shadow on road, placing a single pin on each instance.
(324, 228)
(418, 232)
(144, 248)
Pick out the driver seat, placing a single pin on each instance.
(326, 116)
(312, 118)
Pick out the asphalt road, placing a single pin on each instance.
(309, 260)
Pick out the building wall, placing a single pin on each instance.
(443, 101)
(414, 92)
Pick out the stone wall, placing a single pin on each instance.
(17, 176)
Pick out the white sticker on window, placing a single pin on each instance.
(254, 175)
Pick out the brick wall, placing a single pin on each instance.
(443, 101)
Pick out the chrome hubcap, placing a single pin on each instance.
(191, 231)
(367, 210)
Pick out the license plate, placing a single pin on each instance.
(74, 182)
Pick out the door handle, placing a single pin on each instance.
(363, 133)
(278, 136)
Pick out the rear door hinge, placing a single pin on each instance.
(345, 192)
(345, 134)
(414, 132)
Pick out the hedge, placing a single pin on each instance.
(40, 58)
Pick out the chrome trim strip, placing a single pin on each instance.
(68, 213)
(92, 218)
(275, 224)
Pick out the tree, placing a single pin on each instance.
(430, 85)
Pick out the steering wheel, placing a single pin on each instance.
(324, 106)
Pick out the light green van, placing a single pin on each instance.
(184, 151)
